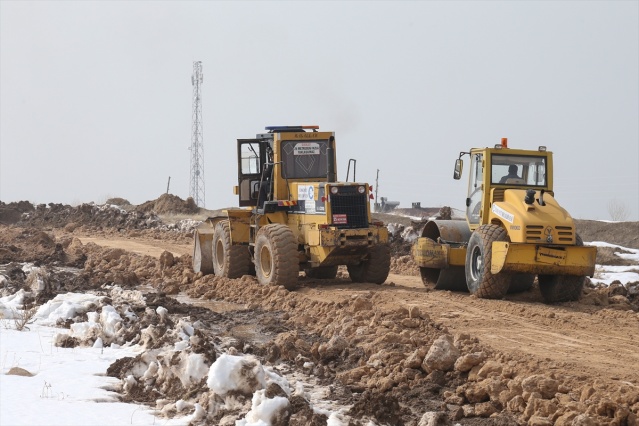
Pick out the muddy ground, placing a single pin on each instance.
(396, 354)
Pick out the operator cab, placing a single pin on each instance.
(299, 153)
(501, 168)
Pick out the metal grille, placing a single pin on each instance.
(565, 234)
(498, 194)
(349, 206)
(535, 233)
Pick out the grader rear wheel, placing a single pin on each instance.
(375, 269)
(276, 260)
(229, 261)
(479, 279)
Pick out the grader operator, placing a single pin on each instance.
(514, 229)
(293, 216)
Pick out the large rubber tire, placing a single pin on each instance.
(202, 255)
(276, 258)
(562, 288)
(521, 282)
(375, 269)
(229, 261)
(480, 281)
(322, 272)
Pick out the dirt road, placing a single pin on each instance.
(580, 340)
(389, 354)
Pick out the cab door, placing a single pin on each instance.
(251, 155)
(475, 189)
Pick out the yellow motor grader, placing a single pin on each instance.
(293, 216)
(514, 229)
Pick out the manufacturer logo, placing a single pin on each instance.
(548, 233)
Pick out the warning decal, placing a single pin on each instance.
(340, 219)
(306, 148)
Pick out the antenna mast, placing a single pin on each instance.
(197, 148)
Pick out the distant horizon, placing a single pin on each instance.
(397, 209)
(96, 98)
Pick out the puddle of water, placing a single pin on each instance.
(218, 306)
(28, 267)
(248, 332)
(318, 395)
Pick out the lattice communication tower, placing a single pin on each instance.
(197, 147)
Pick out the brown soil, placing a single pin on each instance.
(524, 362)
(169, 204)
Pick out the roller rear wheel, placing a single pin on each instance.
(521, 283)
(562, 288)
(479, 279)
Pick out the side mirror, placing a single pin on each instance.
(459, 165)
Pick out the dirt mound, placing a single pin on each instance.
(169, 204)
(116, 214)
(54, 215)
(625, 234)
(393, 362)
(120, 202)
(12, 212)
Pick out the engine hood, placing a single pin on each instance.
(542, 222)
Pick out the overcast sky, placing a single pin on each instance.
(96, 97)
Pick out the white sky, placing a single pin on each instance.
(95, 97)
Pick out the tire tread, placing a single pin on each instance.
(492, 286)
(284, 255)
(237, 258)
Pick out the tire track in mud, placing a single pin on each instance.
(586, 340)
(581, 340)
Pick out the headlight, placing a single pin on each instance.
(361, 189)
(333, 190)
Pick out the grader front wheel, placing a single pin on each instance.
(276, 260)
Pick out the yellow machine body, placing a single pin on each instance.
(511, 189)
(288, 176)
